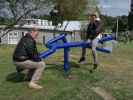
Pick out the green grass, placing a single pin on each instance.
(115, 74)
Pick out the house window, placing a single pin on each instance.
(10, 34)
(22, 34)
(15, 34)
(34, 22)
(13, 38)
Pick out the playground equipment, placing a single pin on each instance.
(53, 45)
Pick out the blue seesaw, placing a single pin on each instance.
(53, 45)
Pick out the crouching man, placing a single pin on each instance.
(26, 57)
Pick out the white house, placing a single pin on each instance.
(46, 30)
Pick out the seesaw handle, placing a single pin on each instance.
(60, 37)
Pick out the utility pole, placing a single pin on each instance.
(117, 28)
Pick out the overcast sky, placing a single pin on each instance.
(108, 7)
(114, 7)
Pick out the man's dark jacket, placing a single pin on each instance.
(26, 50)
(93, 30)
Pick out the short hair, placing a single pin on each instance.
(93, 15)
(34, 29)
(96, 14)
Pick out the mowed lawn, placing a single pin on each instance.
(115, 75)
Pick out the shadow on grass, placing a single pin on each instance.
(16, 77)
(54, 66)
(59, 66)
(74, 65)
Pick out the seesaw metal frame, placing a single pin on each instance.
(53, 46)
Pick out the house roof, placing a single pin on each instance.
(66, 26)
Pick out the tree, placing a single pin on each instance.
(71, 9)
(56, 15)
(21, 9)
(130, 21)
(130, 17)
(108, 22)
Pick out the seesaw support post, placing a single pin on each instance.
(66, 60)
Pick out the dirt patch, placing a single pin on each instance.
(103, 93)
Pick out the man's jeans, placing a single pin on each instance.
(94, 43)
(35, 68)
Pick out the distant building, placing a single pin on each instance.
(46, 30)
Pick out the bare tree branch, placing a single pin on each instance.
(21, 9)
(11, 26)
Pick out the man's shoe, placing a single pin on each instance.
(34, 86)
(95, 66)
(82, 59)
(19, 70)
